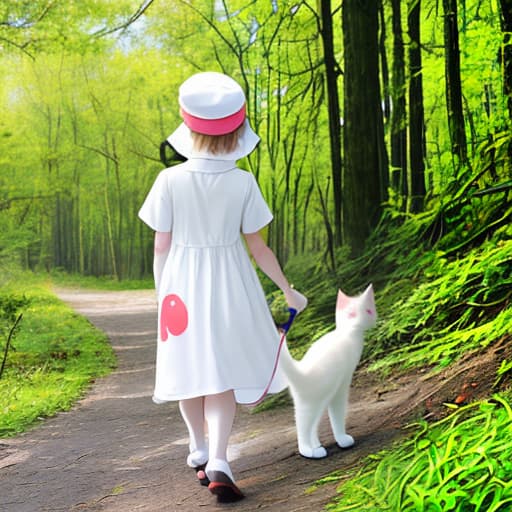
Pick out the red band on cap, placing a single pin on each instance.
(214, 126)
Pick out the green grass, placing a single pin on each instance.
(56, 355)
(458, 305)
(462, 463)
(99, 283)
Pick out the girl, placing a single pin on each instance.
(217, 341)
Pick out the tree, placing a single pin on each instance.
(363, 140)
(453, 82)
(417, 148)
(20, 23)
(506, 51)
(398, 115)
(332, 72)
(85, 121)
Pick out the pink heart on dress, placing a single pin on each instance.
(173, 317)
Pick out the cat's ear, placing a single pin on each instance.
(369, 290)
(368, 294)
(342, 301)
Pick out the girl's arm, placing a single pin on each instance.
(162, 247)
(268, 263)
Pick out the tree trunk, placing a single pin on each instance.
(118, 240)
(416, 111)
(386, 102)
(453, 82)
(330, 235)
(332, 71)
(398, 115)
(363, 134)
(506, 51)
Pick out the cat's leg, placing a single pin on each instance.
(307, 418)
(337, 414)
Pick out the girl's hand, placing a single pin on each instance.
(295, 299)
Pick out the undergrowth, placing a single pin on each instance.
(458, 305)
(433, 305)
(462, 463)
(54, 357)
(443, 282)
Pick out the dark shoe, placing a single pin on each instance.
(201, 475)
(224, 488)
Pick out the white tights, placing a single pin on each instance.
(218, 413)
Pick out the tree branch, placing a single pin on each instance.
(6, 203)
(8, 344)
(132, 19)
(143, 155)
(100, 152)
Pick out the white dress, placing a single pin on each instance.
(216, 332)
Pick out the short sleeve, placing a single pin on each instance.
(156, 210)
(256, 214)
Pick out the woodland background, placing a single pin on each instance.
(385, 155)
(394, 105)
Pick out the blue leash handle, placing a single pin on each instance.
(286, 326)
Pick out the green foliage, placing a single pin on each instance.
(504, 370)
(10, 306)
(85, 123)
(34, 26)
(458, 305)
(58, 354)
(461, 463)
(84, 119)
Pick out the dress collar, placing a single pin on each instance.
(208, 165)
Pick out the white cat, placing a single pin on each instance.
(321, 380)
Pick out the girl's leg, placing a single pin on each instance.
(193, 413)
(219, 411)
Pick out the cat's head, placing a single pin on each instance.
(358, 311)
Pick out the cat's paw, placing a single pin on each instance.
(345, 441)
(313, 453)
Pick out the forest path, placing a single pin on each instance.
(117, 451)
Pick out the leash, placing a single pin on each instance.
(284, 328)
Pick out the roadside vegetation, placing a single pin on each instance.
(53, 357)
(461, 463)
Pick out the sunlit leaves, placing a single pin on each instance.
(462, 463)
(101, 93)
(30, 27)
(462, 305)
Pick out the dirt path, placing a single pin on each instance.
(117, 451)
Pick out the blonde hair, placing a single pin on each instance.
(217, 144)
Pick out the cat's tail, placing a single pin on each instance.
(289, 365)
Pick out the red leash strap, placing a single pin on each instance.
(284, 328)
